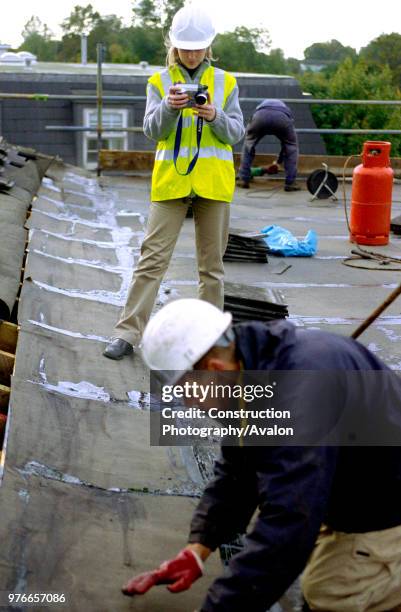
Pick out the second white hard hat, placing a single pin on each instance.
(192, 28)
(181, 333)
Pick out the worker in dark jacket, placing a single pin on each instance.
(272, 117)
(333, 511)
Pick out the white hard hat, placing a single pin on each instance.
(181, 333)
(192, 28)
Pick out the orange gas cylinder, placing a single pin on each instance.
(372, 185)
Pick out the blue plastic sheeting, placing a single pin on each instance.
(281, 242)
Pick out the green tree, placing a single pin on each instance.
(331, 50)
(276, 62)
(259, 38)
(168, 10)
(107, 30)
(155, 13)
(238, 50)
(293, 66)
(354, 81)
(146, 13)
(38, 39)
(385, 50)
(81, 20)
(118, 54)
(145, 44)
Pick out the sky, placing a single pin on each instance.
(293, 24)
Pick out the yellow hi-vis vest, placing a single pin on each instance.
(213, 176)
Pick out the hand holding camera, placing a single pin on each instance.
(176, 98)
(192, 95)
(204, 109)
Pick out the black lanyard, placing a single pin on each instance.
(177, 145)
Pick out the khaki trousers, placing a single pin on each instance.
(164, 224)
(354, 572)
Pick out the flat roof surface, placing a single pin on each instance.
(85, 501)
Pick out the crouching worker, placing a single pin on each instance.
(272, 117)
(195, 131)
(328, 511)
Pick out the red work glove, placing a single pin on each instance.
(179, 573)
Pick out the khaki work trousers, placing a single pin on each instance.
(354, 572)
(164, 224)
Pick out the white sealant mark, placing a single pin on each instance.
(335, 237)
(301, 321)
(128, 213)
(330, 256)
(72, 219)
(66, 205)
(98, 243)
(389, 333)
(104, 206)
(42, 372)
(346, 321)
(89, 263)
(49, 183)
(66, 332)
(24, 495)
(83, 389)
(183, 282)
(34, 468)
(139, 399)
(101, 296)
(314, 219)
(273, 285)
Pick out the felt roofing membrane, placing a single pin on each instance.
(85, 501)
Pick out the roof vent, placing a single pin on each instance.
(12, 58)
(28, 58)
(23, 58)
(4, 48)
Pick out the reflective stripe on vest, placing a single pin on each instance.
(186, 152)
(213, 176)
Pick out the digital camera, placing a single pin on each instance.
(196, 92)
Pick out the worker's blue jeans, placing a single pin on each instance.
(264, 122)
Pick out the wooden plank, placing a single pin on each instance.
(6, 367)
(127, 161)
(8, 336)
(130, 161)
(4, 397)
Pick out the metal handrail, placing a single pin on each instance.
(82, 128)
(44, 97)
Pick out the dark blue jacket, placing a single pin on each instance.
(276, 105)
(296, 489)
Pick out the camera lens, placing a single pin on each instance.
(200, 98)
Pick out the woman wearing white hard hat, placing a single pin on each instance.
(193, 113)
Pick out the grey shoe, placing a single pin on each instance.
(118, 348)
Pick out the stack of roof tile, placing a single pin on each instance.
(246, 249)
(21, 171)
(254, 303)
